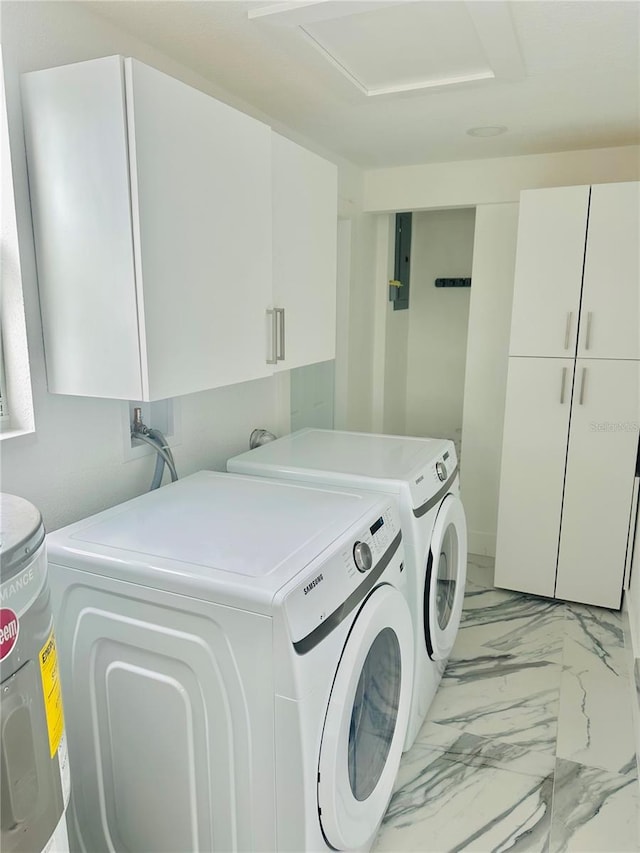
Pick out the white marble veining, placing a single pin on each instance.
(529, 743)
(594, 810)
(503, 677)
(595, 725)
(495, 696)
(461, 792)
(510, 623)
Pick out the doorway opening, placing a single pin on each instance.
(426, 345)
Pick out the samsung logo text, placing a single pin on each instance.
(312, 583)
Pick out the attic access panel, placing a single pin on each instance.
(385, 48)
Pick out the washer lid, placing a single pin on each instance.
(385, 457)
(215, 534)
(21, 534)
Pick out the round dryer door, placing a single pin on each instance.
(445, 578)
(366, 721)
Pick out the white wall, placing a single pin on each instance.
(343, 286)
(486, 370)
(74, 463)
(492, 181)
(442, 247)
(394, 405)
(360, 332)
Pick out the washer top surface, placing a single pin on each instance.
(361, 455)
(213, 530)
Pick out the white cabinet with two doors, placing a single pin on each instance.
(161, 217)
(572, 413)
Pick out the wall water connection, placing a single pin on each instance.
(259, 437)
(155, 439)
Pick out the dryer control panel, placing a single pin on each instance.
(428, 481)
(333, 586)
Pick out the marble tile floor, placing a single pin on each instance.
(529, 744)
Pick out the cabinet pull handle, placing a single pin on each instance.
(281, 336)
(567, 332)
(582, 383)
(562, 386)
(274, 336)
(587, 342)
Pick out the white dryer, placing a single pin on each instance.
(238, 658)
(422, 475)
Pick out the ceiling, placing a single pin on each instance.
(397, 83)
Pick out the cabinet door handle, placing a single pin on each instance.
(582, 384)
(587, 342)
(567, 331)
(274, 336)
(281, 335)
(563, 385)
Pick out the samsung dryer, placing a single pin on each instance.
(238, 658)
(422, 475)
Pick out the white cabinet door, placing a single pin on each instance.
(76, 139)
(201, 181)
(536, 427)
(548, 275)
(305, 222)
(610, 316)
(603, 443)
(152, 212)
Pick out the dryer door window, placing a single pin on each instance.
(445, 578)
(366, 720)
(374, 713)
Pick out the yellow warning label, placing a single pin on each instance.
(52, 693)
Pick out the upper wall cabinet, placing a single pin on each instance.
(576, 280)
(152, 218)
(305, 221)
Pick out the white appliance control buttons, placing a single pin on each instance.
(441, 470)
(362, 556)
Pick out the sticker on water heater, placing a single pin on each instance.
(9, 630)
(52, 694)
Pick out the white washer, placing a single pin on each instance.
(238, 657)
(422, 474)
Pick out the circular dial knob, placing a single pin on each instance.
(441, 470)
(362, 556)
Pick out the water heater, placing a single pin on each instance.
(35, 782)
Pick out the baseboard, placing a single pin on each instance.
(634, 624)
(633, 660)
(481, 543)
(635, 705)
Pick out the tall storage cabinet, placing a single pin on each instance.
(573, 395)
